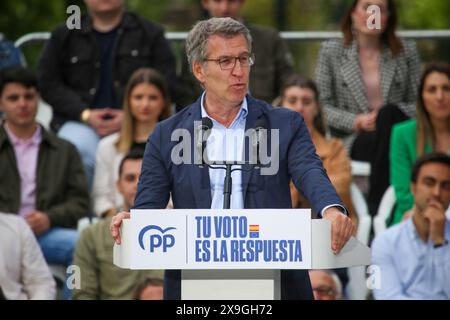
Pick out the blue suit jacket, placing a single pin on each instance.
(190, 185)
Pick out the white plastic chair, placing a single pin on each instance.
(85, 222)
(384, 210)
(361, 174)
(356, 287)
(360, 168)
(362, 211)
(58, 271)
(45, 114)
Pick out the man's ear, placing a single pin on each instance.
(198, 71)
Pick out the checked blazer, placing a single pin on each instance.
(342, 90)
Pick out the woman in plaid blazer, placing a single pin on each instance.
(368, 81)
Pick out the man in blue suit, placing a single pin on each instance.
(219, 52)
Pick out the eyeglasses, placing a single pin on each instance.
(227, 63)
(325, 291)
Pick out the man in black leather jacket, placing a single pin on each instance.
(83, 72)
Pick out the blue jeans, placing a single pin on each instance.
(58, 245)
(85, 140)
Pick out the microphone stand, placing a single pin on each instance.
(228, 167)
(227, 183)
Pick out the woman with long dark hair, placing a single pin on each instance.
(429, 133)
(368, 82)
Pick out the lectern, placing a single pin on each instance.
(231, 254)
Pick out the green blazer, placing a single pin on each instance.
(402, 156)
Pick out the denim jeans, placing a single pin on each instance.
(85, 140)
(58, 245)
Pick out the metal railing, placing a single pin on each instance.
(288, 35)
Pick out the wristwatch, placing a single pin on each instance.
(85, 115)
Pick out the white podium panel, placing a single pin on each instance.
(219, 239)
(230, 285)
(231, 254)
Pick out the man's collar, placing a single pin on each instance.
(411, 229)
(241, 114)
(35, 138)
(46, 136)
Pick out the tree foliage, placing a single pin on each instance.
(21, 17)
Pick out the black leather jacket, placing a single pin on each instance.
(69, 68)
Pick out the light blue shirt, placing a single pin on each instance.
(409, 267)
(226, 144)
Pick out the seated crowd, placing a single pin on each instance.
(110, 83)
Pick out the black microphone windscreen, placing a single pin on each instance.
(207, 123)
(261, 123)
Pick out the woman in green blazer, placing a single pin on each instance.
(414, 138)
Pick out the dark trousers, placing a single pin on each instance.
(379, 180)
(295, 285)
(374, 147)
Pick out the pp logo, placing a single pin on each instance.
(157, 240)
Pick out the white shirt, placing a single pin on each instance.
(24, 274)
(226, 144)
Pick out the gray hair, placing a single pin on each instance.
(197, 38)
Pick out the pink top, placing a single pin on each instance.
(372, 81)
(26, 152)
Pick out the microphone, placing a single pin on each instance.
(260, 136)
(203, 132)
(207, 123)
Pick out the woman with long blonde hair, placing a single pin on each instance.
(146, 101)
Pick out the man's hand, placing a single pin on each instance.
(114, 227)
(38, 222)
(105, 121)
(342, 228)
(435, 215)
(97, 122)
(114, 121)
